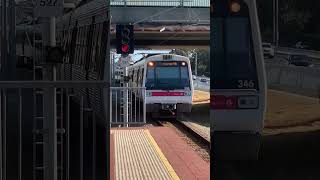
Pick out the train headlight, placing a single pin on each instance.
(151, 64)
(183, 63)
(235, 7)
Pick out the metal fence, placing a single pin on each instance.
(165, 3)
(48, 132)
(127, 107)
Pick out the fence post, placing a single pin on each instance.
(51, 171)
(125, 99)
(51, 124)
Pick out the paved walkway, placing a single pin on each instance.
(154, 153)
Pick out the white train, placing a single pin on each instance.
(168, 82)
(83, 35)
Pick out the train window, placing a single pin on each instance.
(92, 48)
(237, 49)
(97, 41)
(168, 75)
(233, 63)
(142, 75)
(79, 47)
(72, 48)
(150, 82)
(185, 76)
(167, 72)
(84, 46)
(76, 47)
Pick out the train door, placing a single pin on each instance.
(238, 81)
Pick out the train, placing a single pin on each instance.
(84, 35)
(238, 80)
(168, 82)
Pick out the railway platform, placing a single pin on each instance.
(149, 153)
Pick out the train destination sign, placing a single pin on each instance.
(167, 63)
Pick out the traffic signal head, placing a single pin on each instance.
(125, 39)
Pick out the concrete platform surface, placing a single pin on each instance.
(154, 153)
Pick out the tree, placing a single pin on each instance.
(180, 52)
(203, 57)
(298, 20)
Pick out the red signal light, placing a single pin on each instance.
(125, 39)
(125, 48)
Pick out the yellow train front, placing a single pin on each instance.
(168, 82)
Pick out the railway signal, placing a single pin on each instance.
(125, 39)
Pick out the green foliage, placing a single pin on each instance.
(203, 57)
(296, 18)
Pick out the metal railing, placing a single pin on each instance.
(53, 135)
(127, 107)
(163, 3)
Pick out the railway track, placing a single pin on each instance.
(193, 133)
(195, 140)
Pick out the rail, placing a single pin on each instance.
(163, 3)
(52, 84)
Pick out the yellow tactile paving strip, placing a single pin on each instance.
(138, 157)
(200, 97)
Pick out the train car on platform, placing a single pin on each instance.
(83, 33)
(238, 80)
(168, 82)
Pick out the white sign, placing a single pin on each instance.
(48, 8)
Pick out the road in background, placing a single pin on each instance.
(202, 86)
(282, 59)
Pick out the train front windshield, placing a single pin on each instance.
(167, 75)
(233, 65)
